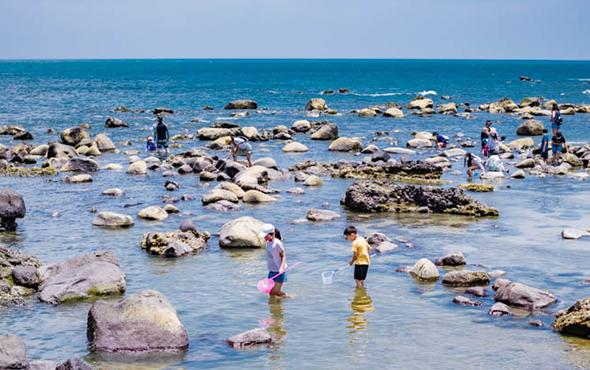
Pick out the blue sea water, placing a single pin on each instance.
(398, 323)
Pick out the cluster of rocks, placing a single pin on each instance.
(176, 243)
(390, 169)
(13, 355)
(532, 106)
(19, 277)
(386, 196)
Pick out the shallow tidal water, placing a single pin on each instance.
(397, 322)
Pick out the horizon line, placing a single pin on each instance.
(286, 59)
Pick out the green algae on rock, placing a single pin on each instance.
(479, 188)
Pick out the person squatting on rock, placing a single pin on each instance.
(360, 255)
(441, 140)
(473, 163)
(241, 147)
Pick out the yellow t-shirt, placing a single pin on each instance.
(361, 248)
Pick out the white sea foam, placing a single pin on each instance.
(586, 92)
(378, 94)
(427, 92)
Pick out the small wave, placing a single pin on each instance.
(583, 79)
(586, 92)
(375, 95)
(427, 92)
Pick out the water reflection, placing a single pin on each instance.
(361, 303)
(277, 319)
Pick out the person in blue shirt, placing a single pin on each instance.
(545, 146)
(150, 146)
(441, 141)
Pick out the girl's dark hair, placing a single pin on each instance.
(278, 234)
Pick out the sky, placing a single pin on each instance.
(446, 29)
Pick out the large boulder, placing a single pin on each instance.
(241, 104)
(13, 353)
(294, 147)
(530, 127)
(419, 143)
(211, 133)
(12, 206)
(424, 269)
(345, 144)
(57, 150)
(466, 278)
(452, 259)
(137, 168)
(80, 164)
(250, 177)
(530, 102)
(523, 296)
(73, 136)
(519, 144)
(113, 122)
(575, 320)
(112, 220)
(154, 213)
(174, 243)
(316, 104)
(386, 196)
(420, 103)
(216, 195)
(325, 131)
(104, 143)
(241, 233)
(93, 274)
(141, 323)
(302, 125)
(393, 113)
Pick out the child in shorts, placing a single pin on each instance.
(360, 255)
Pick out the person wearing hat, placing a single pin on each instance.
(161, 134)
(276, 260)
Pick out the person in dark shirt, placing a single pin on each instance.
(556, 119)
(161, 134)
(484, 137)
(545, 146)
(558, 146)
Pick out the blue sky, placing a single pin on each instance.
(497, 29)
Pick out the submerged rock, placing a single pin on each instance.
(81, 277)
(466, 278)
(523, 296)
(384, 196)
(465, 301)
(175, 243)
(141, 323)
(241, 233)
(575, 320)
(12, 206)
(411, 170)
(113, 122)
(500, 309)
(250, 338)
(321, 215)
(255, 196)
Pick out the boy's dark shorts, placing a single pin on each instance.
(360, 272)
(162, 144)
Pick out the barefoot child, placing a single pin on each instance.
(360, 255)
(275, 258)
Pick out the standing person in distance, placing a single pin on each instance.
(161, 134)
(556, 119)
(545, 146)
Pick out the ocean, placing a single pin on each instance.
(398, 323)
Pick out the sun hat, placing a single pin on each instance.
(265, 230)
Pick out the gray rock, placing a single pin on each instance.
(141, 323)
(465, 301)
(321, 215)
(174, 243)
(451, 259)
(385, 247)
(81, 277)
(530, 127)
(113, 192)
(223, 206)
(12, 206)
(75, 363)
(73, 136)
(477, 291)
(325, 131)
(241, 104)
(241, 232)
(188, 225)
(377, 238)
(424, 269)
(523, 296)
(80, 164)
(104, 143)
(13, 353)
(78, 179)
(575, 320)
(250, 338)
(153, 213)
(500, 309)
(26, 276)
(112, 219)
(466, 278)
(113, 122)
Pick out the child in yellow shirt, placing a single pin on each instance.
(360, 255)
